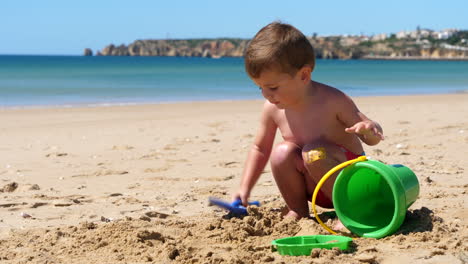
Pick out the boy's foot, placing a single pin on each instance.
(338, 226)
(292, 214)
(285, 212)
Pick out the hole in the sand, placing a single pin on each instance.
(419, 220)
(353, 247)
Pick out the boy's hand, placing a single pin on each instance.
(366, 129)
(244, 197)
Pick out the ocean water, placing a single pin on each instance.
(45, 81)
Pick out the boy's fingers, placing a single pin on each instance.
(359, 130)
(351, 129)
(244, 201)
(243, 198)
(235, 197)
(381, 136)
(377, 133)
(362, 129)
(365, 129)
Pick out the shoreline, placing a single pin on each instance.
(124, 104)
(413, 58)
(402, 58)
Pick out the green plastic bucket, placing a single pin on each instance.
(371, 198)
(303, 245)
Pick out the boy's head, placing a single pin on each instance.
(278, 47)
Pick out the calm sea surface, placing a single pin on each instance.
(87, 81)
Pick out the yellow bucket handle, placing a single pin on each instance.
(322, 181)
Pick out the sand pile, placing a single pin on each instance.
(216, 239)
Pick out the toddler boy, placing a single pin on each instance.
(320, 125)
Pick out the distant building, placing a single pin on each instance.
(349, 41)
(379, 37)
(413, 34)
(424, 33)
(447, 33)
(402, 34)
(364, 38)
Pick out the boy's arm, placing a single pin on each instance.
(259, 153)
(370, 132)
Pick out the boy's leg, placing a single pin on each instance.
(320, 157)
(285, 162)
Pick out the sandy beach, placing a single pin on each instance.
(130, 184)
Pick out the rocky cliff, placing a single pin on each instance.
(182, 48)
(338, 47)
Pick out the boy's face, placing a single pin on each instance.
(282, 89)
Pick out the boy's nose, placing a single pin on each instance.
(267, 94)
(269, 97)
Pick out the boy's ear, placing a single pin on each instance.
(305, 73)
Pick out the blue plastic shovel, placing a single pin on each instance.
(235, 208)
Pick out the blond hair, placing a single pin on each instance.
(278, 46)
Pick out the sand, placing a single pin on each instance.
(130, 184)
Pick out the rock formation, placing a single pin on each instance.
(180, 48)
(88, 52)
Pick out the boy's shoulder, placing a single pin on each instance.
(327, 88)
(269, 108)
(336, 99)
(327, 92)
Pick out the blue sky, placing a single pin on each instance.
(67, 27)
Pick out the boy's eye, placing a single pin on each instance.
(271, 88)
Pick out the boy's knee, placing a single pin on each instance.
(283, 152)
